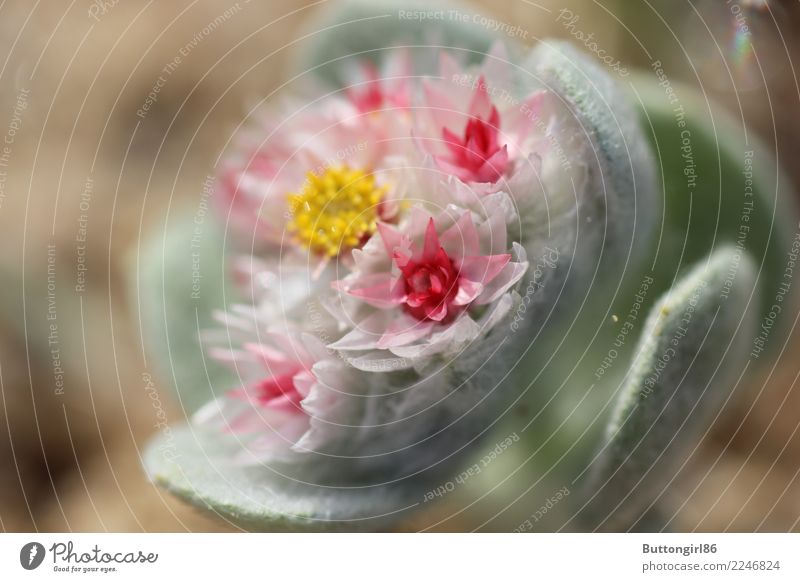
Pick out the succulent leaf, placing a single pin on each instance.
(177, 287)
(349, 29)
(199, 469)
(690, 357)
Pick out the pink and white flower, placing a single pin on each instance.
(414, 286)
(474, 129)
(372, 88)
(292, 397)
(291, 155)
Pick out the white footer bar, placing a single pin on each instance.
(401, 557)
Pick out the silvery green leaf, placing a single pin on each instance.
(364, 29)
(599, 215)
(720, 184)
(617, 212)
(179, 280)
(692, 353)
(755, 210)
(199, 468)
(742, 197)
(717, 209)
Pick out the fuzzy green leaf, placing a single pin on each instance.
(721, 184)
(624, 186)
(180, 279)
(198, 468)
(692, 353)
(367, 29)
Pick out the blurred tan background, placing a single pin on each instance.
(74, 76)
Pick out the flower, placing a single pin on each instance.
(337, 210)
(292, 389)
(477, 131)
(314, 180)
(420, 283)
(478, 156)
(430, 284)
(373, 89)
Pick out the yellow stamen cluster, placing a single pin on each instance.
(336, 211)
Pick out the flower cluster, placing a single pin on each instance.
(380, 233)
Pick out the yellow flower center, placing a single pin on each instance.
(335, 211)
